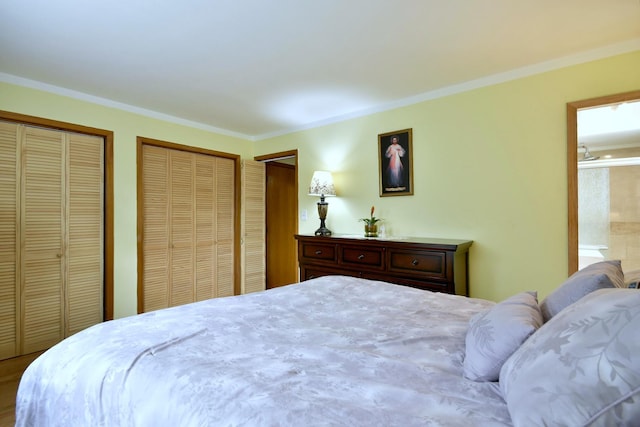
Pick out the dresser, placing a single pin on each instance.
(439, 265)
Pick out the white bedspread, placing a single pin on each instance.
(327, 352)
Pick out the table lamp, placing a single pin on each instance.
(322, 185)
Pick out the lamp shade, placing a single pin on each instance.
(322, 184)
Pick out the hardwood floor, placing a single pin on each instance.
(10, 373)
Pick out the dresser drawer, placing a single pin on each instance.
(432, 264)
(315, 272)
(362, 257)
(318, 252)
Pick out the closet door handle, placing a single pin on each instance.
(58, 255)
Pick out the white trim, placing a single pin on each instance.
(609, 163)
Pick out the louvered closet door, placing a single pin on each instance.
(214, 211)
(155, 246)
(182, 227)
(188, 227)
(8, 239)
(224, 196)
(85, 231)
(205, 211)
(253, 226)
(51, 236)
(41, 252)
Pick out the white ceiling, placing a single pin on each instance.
(614, 126)
(258, 68)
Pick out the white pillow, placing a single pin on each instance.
(580, 368)
(494, 335)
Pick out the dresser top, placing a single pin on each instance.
(428, 241)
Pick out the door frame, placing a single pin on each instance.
(275, 157)
(572, 165)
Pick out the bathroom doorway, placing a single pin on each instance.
(609, 213)
(607, 184)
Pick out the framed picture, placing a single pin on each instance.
(395, 155)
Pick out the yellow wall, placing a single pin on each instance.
(126, 127)
(489, 166)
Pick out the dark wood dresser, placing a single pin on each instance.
(433, 264)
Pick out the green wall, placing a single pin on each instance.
(489, 166)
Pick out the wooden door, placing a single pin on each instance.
(52, 235)
(62, 232)
(154, 290)
(181, 227)
(169, 227)
(42, 223)
(84, 254)
(214, 225)
(9, 213)
(225, 225)
(253, 226)
(188, 226)
(281, 204)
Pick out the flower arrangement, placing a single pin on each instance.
(372, 220)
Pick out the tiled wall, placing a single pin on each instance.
(593, 209)
(624, 238)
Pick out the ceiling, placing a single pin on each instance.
(257, 68)
(609, 129)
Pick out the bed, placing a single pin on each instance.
(340, 350)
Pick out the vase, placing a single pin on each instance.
(371, 230)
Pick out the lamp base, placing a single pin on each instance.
(322, 213)
(323, 231)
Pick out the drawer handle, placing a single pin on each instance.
(318, 252)
(415, 262)
(361, 256)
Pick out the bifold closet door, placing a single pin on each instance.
(9, 205)
(253, 227)
(42, 226)
(215, 214)
(182, 227)
(225, 260)
(188, 227)
(84, 296)
(51, 226)
(62, 230)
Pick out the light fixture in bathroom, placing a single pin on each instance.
(587, 155)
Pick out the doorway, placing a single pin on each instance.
(281, 223)
(603, 154)
(609, 212)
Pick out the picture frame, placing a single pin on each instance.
(395, 163)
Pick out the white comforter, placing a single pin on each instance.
(326, 352)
